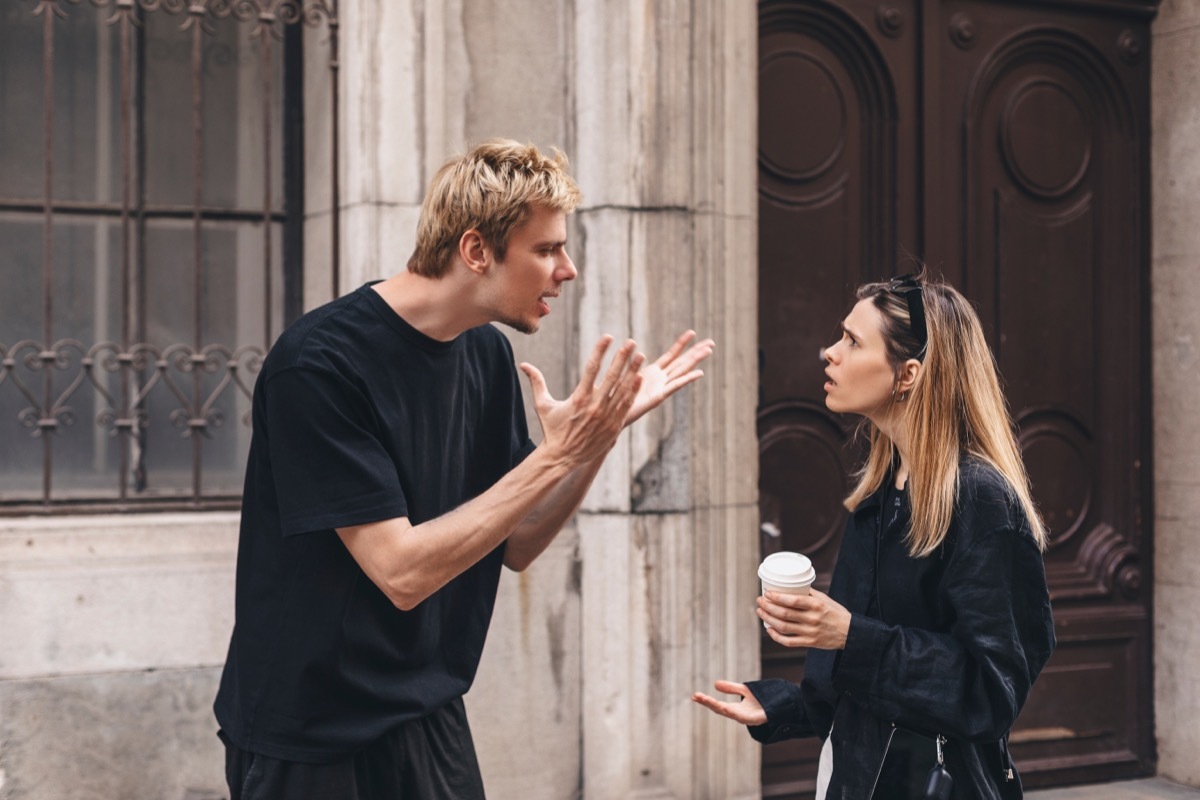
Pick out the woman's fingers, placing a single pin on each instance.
(746, 709)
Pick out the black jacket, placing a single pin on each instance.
(951, 647)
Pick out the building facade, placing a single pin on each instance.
(115, 607)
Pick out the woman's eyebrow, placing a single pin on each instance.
(853, 335)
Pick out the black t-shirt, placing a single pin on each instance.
(359, 417)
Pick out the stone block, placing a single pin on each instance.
(381, 140)
(376, 241)
(1177, 689)
(97, 594)
(633, 116)
(517, 68)
(148, 735)
(529, 680)
(1175, 146)
(726, 455)
(603, 259)
(637, 650)
(1177, 521)
(1174, 17)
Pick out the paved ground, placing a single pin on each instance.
(1148, 789)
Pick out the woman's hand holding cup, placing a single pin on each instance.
(813, 619)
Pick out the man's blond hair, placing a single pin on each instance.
(491, 189)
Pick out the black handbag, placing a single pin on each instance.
(913, 768)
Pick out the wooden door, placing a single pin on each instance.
(1006, 145)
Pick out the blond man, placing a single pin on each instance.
(390, 478)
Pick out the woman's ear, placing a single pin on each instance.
(474, 252)
(910, 370)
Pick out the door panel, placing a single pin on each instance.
(832, 153)
(1006, 145)
(1052, 163)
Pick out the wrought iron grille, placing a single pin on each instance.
(151, 234)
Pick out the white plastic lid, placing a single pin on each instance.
(787, 569)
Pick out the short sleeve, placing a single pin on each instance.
(329, 465)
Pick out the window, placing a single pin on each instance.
(150, 242)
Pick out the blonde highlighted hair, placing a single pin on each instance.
(955, 407)
(491, 189)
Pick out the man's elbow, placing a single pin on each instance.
(515, 561)
(405, 593)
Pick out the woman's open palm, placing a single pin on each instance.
(746, 710)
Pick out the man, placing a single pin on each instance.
(391, 475)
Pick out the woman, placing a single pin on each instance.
(937, 620)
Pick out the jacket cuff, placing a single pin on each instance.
(785, 711)
(854, 672)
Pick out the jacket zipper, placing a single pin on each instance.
(879, 770)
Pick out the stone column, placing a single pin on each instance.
(665, 143)
(1175, 155)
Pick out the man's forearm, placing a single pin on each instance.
(410, 562)
(547, 518)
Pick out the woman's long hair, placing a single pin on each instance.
(954, 407)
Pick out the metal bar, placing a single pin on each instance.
(293, 173)
(266, 214)
(147, 505)
(137, 438)
(336, 203)
(197, 11)
(88, 208)
(124, 437)
(48, 12)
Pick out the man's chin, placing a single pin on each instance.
(521, 325)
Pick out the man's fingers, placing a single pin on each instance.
(675, 349)
(536, 382)
(592, 368)
(676, 384)
(729, 687)
(617, 368)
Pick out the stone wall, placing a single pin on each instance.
(1176, 296)
(113, 629)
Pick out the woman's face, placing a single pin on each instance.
(861, 381)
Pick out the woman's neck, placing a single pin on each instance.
(897, 431)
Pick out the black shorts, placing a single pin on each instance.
(432, 758)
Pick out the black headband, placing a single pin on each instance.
(910, 288)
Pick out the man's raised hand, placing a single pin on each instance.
(586, 424)
(673, 370)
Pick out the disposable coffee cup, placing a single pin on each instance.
(789, 573)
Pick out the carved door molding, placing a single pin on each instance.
(1006, 144)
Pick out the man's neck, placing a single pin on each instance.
(437, 307)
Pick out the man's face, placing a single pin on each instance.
(533, 270)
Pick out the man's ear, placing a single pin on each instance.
(910, 370)
(474, 251)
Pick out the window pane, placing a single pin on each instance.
(22, 149)
(232, 111)
(232, 297)
(20, 318)
(86, 305)
(20, 277)
(87, 116)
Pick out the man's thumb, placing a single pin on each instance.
(536, 380)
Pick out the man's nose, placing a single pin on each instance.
(566, 269)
